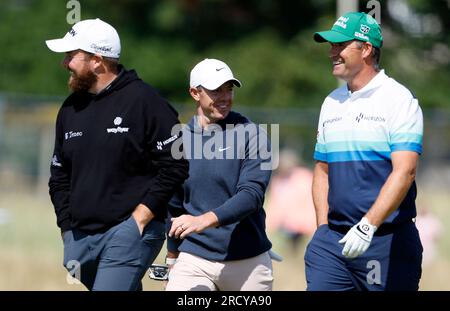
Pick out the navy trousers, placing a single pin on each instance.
(393, 262)
(115, 260)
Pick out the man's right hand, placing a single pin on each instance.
(142, 216)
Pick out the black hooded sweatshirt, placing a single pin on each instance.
(113, 152)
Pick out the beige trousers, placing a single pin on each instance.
(193, 273)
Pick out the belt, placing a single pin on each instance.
(383, 230)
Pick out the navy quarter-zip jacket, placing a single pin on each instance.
(233, 187)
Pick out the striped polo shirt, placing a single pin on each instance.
(357, 133)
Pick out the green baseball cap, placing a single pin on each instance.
(352, 26)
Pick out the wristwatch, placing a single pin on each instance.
(170, 261)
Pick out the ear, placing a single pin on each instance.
(367, 49)
(195, 93)
(96, 61)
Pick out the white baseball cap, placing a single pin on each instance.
(90, 35)
(212, 73)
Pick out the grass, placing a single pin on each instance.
(31, 249)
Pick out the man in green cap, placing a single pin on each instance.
(368, 144)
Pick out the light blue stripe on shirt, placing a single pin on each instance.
(406, 137)
(342, 146)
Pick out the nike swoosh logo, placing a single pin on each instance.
(223, 149)
(219, 69)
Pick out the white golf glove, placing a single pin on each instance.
(358, 238)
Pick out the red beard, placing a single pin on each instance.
(82, 82)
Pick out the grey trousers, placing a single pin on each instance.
(115, 260)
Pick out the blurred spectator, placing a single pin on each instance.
(290, 207)
(5, 216)
(430, 230)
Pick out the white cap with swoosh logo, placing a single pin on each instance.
(211, 74)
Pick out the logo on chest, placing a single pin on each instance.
(362, 117)
(72, 134)
(118, 129)
(331, 121)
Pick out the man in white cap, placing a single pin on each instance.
(111, 174)
(368, 144)
(217, 238)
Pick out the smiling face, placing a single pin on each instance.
(82, 78)
(347, 59)
(213, 105)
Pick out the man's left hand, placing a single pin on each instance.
(358, 238)
(185, 224)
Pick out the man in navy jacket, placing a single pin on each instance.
(217, 230)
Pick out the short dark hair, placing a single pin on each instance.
(111, 63)
(376, 54)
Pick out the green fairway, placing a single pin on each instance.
(31, 249)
